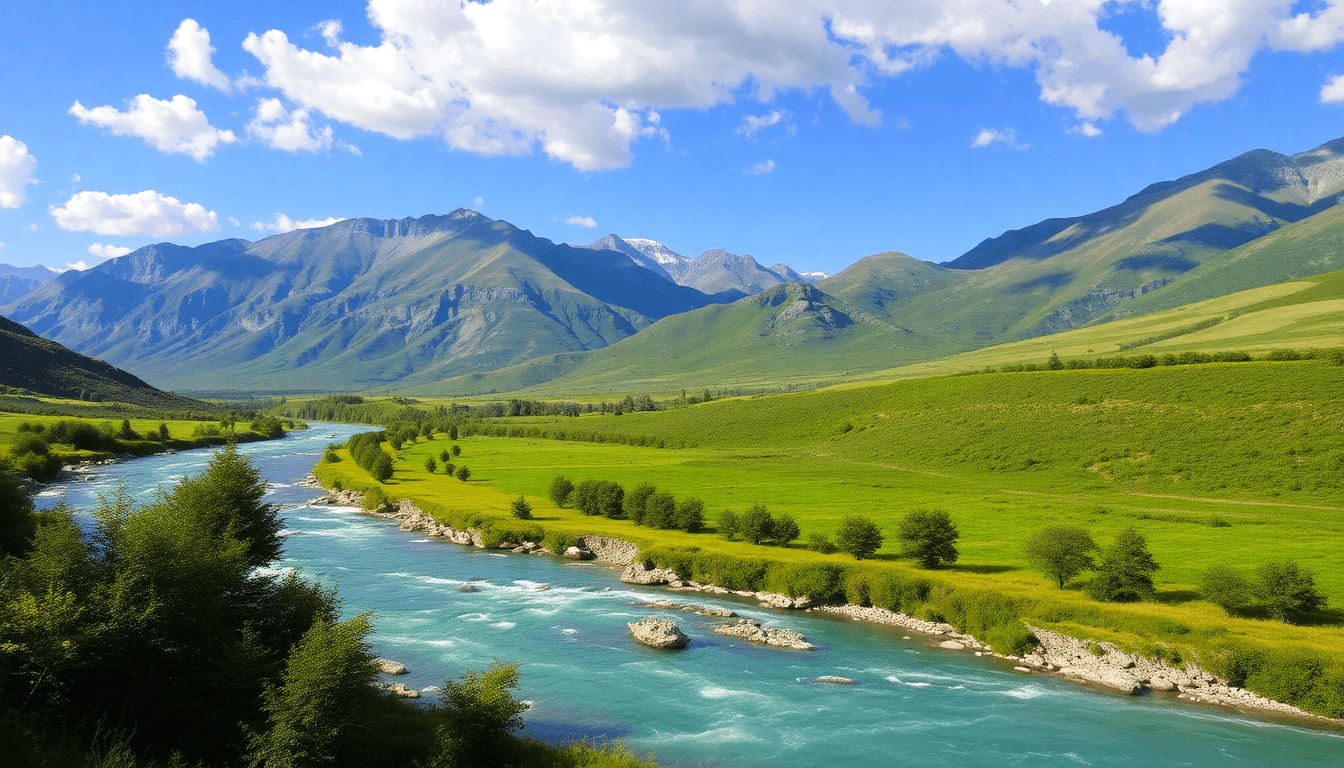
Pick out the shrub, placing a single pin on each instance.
(521, 509)
(478, 715)
(729, 525)
(456, 450)
(820, 542)
(756, 524)
(636, 501)
(330, 456)
(26, 443)
(660, 510)
(929, 537)
(374, 499)
(819, 581)
(859, 537)
(1060, 552)
(783, 529)
(560, 490)
(689, 515)
(1125, 573)
(463, 474)
(1226, 588)
(1288, 590)
(431, 464)
(381, 467)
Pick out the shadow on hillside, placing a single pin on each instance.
(980, 568)
(1176, 596)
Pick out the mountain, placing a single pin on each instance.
(789, 333)
(715, 272)
(17, 281)
(350, 306)
(650, 254)
(43, 367)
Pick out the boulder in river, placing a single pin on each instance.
(390, 667)
(640, 573)
(834, 680)
(753, 632)
(658, 632)
(574, 553)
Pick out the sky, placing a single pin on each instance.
(808, 132)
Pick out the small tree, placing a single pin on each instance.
(820, 542)
(381, 468)
(126, 432)
(478, 715)
(431, 464)
(330, 456)
(729, 525)
(1125, 573)
(521, 509)
(783, 529)
(452, 432)
(456, 450)
(1288, 590)
(561, 489)
(463, 473)
(660, 510)
(636, 501)
(756, 524)
(163, 432)
(858, 536)
(928, 536)
(445, 456)
(690, 515)
(1060, 552)
(449, 468)
(1225, 587)
(1054, 363)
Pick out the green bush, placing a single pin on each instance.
(819, 581)
(374, 499)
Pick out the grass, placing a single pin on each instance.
(181, 434)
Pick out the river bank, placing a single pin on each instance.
(1097, 664)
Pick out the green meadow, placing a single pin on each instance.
(1235, 463)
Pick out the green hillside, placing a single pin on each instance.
(42, 367)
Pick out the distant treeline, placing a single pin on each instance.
(36, 407)
(1055, 363)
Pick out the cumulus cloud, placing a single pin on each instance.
(283, 223)
(753, 123)
(107, 251)
(16, 172)
(142, 213)
(189, 53)
(174, 127)
(581, 221)
(582, 80)
(278, 128)
(1333, 90)
(78, 266)
(760, 168)
(988, 137)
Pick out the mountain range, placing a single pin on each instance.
(16, 282)
(462, 303)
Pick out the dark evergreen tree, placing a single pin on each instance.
(521, 509)
(1125, 573)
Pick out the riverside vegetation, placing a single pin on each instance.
(163, 635)
(1116, 452)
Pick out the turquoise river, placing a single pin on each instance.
(720, 702)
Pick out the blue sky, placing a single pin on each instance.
(809, 133)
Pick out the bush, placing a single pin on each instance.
(819, 581)
(463, 474)
(859, 537)
(729, 525)
(521, 509)
(381, 467)
(560, 490)
(26, 443)
(374, 499)
(599, 497)
(456, 450)
(756, 524)
(1288, 590)
(1226, 588)
(431, 464)
(1125, 573)
(478, 715)
(636, 502)
(42, 468)
(660, 510)
(929, 537)
(820, 542)
(783, 529)
(1060, 552)
(330, 456)
(689, 515)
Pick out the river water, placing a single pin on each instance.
(721, 702)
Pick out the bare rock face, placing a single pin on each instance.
(390, 667)
(753, 632)
(639, 573)
(575, 553)
(658, 632)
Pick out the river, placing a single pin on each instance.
(720, 702)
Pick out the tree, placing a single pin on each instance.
(1288, 590)
(690, 515)
(929, 537)
(756, 524)
(783, 529)
(729, 525)
(318, 715)
(463, 473)
(1125, 573)
(431, 464)
(478, 715)
(561, 489)
(449, 469)
(163, 432)
(230, 496)
(1225, 587)
(381, 467)
(452, 432)
(126, 432)
(521, 509)
(456, 450)
(1060, 552)
(1054, 363)
(660, 510)
(445, 456)
(820, 542)
(636, 501)
(858, 536)
(17, 524)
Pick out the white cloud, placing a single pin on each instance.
(581, 221)
(142, 213)
(581, 79)
(753, 123)
(278, 128)
(1333, 90)
(235, 222)
(331, 30)
(1086, 128)
(189, 53)
(80, 265)
(760, 168)
(16, 172)
(174, 127)
(283, 223)
(479, 202)
(74, 178)
(107, 251)
(988, 137)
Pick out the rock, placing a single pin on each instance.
(907, 637)
(753, 632)
(834, 680)
(676, 584)
(574, 553)
(658, 632)
(390, 667)
(725, 614)
(951, 645)
(541, 587)
(507, 545)
(1021, 669)
(609, 550)
(639, 573)
(401, 690)
(520, 550)
(467, 588)
(1161, 684)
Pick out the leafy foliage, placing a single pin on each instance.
(1125, 573)
(858, 536)
(929, 537)
(1288, 590)
(479, 715)
(1225, 587)
(1061, 552)
(561, 488)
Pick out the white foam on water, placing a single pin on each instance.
(496, 554)
(570, 631)
(419, 541)
(917, 685)
(1025, 692)
(283, 532)
(504, 624)
(475, 617)
(719, 692)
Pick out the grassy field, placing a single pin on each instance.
(1221, 463)
(181, 434)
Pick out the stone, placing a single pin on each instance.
(467, 588)
(401, 690)
(658, 632)
(834, 680)
(1161, 684)
(574, 553)
(752, 631)
(640, 573)
(1021, 669)
(390, 667)
(951, 645)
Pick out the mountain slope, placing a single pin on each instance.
(18, 281)
(715, 272)
(791, 332)
(352, 305)
(28, 361)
